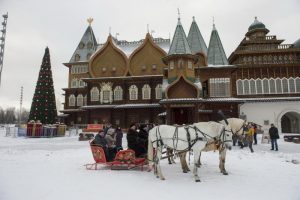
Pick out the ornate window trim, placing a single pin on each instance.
(94, 94)
(106, 94)
(133, 92)
(72, 100)
(74, 83)
(158, 91)
(80, 100)
(146, 91)
(118, 93)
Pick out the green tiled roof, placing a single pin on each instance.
(195, 39)
(179, 43)
(216, 54)
(87, 46)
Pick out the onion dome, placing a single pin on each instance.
(256, 25)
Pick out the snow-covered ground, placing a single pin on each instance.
(53, 169)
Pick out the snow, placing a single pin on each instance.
(53, 168)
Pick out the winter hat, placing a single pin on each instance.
(132, 124)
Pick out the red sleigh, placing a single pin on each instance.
(124, 159)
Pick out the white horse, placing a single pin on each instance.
(193, 137)
(235, 126)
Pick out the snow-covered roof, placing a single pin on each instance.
(98, 106)
(232, 99)
(71, 110)
(123, 77)
(139, 105)
(129, 47)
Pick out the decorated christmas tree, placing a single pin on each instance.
(43, 105)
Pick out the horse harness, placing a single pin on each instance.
(218, 142)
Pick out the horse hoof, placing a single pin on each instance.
(185, 171)
(163, 179)
(170, 163)
(225, 173)
(198, 180)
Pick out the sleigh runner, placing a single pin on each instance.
(124, 159)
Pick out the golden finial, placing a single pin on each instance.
(90, 20)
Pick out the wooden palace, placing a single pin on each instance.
(155, 80)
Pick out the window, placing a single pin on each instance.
(285, 85)
(77, 57)
(154, 66)
(74, 83)
(239, 87)
(219, 87)
(180, 64)
(278, 86)
(81, 83)
(297, 81)
(133, 92)
(73, 70)
(80, 100)
(272, 86)
(292, 85)
(246, 87)
(172, 64)
(94, 94)
(252, 86)
(118, 93)
(258, 86)
(81, 45)
(190, 65)
(72, 100)
(158, 91)
(266, 86)
(106, 94)
(146, 90)
(88, 56)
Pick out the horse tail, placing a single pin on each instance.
(150, 148)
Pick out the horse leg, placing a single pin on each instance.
(169, 155)
(199, 161)
(222, 156)
(183, 163)
(158, 157)
(196, 159)
(172, 157)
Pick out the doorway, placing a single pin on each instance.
(290, 122)
(182, 116)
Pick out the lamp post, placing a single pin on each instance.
(2, 42)
(21, 101)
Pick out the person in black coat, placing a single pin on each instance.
(143, 135)
(273, 131)
(100, 140)
(119, 136)
(134, 143)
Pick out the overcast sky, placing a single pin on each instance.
(60, 24)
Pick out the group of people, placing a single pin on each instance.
(110, 139)
(250, 137)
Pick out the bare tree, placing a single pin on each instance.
(24, 116)
(10, 115)
(2, 116)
